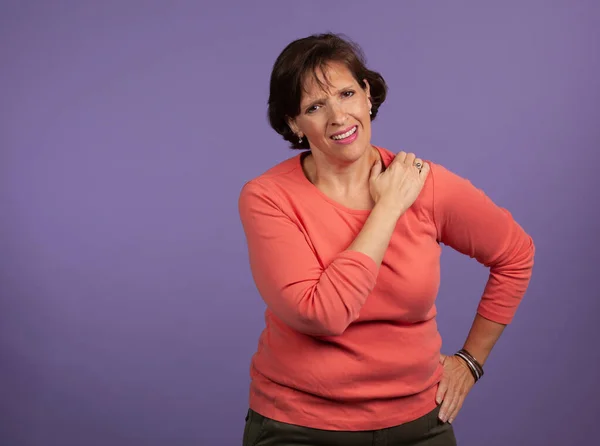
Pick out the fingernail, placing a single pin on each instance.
(451, 420)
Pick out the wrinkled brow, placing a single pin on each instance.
(316, 100)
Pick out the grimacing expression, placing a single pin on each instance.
(334, 113)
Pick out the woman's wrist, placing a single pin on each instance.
(390, 207)
(474, 366)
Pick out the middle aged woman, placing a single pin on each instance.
(344, 246)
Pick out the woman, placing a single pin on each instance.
(344, 247)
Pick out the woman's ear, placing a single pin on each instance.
(368, 92)
(294, 127)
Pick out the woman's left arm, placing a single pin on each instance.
(468, 221)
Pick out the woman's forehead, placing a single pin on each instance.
(327, 79)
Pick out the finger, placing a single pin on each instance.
(410, 159)
(453, 406)
(375, 169)
(447, 406)
(454, 414)
(456, 401)
(400, 157)
(441, 392)
(418, 163)
(424, 172)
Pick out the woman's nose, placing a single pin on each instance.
(338, 114)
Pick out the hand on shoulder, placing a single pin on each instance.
(400, 184)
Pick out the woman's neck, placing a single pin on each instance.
(341, 180)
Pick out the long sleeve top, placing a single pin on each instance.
(348, 345)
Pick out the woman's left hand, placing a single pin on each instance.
(456, 383)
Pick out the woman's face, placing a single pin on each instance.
(336, 119)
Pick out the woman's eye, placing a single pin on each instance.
(348, 93)
(312, 109)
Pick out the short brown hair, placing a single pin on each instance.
(303, 57)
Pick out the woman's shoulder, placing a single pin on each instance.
(273, 183)
(439, 172)
(388, 156)
(281, 171)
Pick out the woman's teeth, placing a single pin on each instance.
(345, 135)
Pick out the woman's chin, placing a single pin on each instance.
(352, 152)
(345, 153)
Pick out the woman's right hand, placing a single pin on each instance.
(400, 184)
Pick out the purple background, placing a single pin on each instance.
(128, 315)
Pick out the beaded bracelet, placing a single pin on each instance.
(474, 366)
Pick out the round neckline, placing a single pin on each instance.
(320, 193)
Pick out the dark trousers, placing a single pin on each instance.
(425, 431)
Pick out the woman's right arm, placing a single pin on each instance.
(316, 300)
(393, 191)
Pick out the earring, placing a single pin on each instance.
(370, 112)
(300, 140)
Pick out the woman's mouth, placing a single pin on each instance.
(347, 137)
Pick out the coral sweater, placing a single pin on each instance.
(348, 345)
